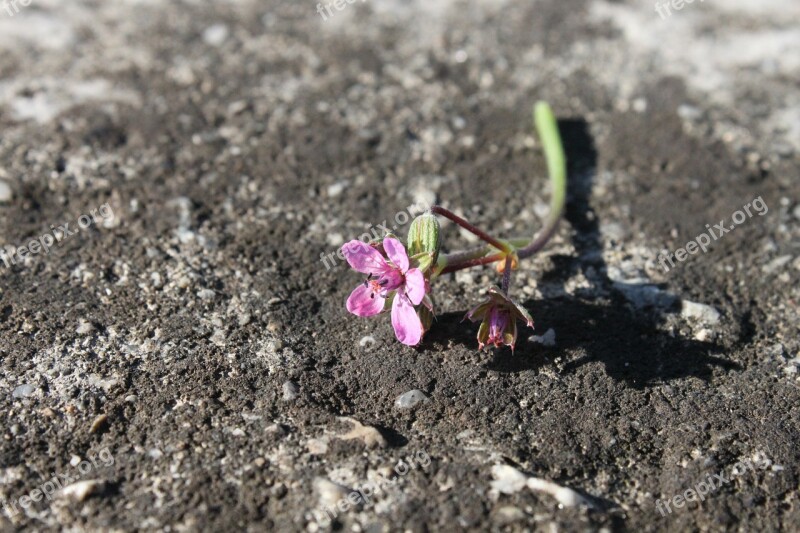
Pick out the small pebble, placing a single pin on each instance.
(336, 189)
(317, 446)
(328, 492)
(6, 194)
(23, 391)
(703, 335)
(83, 489)
(701, 312)
(206, 294)
(290, 391)
(776, 350)
(99, 423)
(84, 327)
(548, 339)
(410, 399)
(215, 35)
(370, 436)
(369, 339)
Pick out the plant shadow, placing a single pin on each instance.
(617, 324)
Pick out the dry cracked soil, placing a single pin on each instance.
(184, 361)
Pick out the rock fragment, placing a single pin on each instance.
(6, 194)
(83, 489)
(508, 480)
(23, 391)
(548, 339)
(409, 399)
(99, 424)
(368, 434)
(291, 391)
(700, 312)
(328, 492)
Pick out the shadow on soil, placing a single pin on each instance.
(628, 342)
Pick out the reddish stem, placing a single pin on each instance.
(469, 227)
(507, 275)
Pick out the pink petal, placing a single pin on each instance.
(415, 285)
(406, 323)
(363, 302)
(364, 258)
(396, 252)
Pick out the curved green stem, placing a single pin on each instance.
(547, 128)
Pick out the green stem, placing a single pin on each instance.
(547, 128)
(460, 257)
(473, 262)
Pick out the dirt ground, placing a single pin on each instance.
(184, 361)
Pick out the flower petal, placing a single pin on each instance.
(364, 258)
(406, 323)
(522, 314)
(415, 285)
(478, 312)
(363, 302)
(396, 252)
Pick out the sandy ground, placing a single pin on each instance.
(184, 361)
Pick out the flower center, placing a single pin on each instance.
(382, 285)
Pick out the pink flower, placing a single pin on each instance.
(384, 277)
(499, 315)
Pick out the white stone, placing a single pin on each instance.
(509, 480)
(83, 489)
(337, 188)
(700, 312)
(548, 339)
(410, 399)
(328, 492)
(23, 391)
(215, 35)
(5, 192)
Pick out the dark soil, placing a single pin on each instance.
(236, 142)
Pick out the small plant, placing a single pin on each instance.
(399, 277)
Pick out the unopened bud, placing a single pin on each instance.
(423, 236)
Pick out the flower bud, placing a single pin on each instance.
(423, 236)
